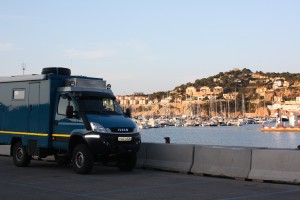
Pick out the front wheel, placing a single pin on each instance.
(127, 162)
(82, 159)
(20, 155)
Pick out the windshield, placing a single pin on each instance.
(98, 105)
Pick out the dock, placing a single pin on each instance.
(46, 180)
(279, 129)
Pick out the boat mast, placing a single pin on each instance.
(235, 106)
(216, 107)
(243, 105)
(228, 105)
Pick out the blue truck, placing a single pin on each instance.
(76, 119)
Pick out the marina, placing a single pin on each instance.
(249, 135)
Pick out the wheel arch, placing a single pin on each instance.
(75, 139)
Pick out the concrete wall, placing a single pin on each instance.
(141, 155)
(171, 157)
(275, 165)
(279, 165)
(222, 161)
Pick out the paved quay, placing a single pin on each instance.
(46, 180)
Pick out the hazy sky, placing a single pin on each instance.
(149, 45)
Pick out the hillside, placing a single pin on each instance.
(258, 89)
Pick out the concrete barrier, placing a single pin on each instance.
(280, 165)
(222, 161)
(275, 165)
(171, 157)
(141, 155)
(5, 150)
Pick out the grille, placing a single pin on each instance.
(121, 130)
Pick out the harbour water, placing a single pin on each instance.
(245, 136)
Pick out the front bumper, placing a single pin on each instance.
(113, 143)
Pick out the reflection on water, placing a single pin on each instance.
(246, 136)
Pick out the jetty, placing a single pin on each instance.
(279, 129)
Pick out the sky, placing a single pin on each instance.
(149, 45)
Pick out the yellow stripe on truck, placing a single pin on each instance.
(34, 134)
(61, 135)
(25, 133)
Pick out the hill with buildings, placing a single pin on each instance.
(231, 93)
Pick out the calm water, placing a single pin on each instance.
(246, 136)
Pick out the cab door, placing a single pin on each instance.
(66, 121)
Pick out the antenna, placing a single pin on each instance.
(23, 67)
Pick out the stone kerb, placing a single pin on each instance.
(275, 165)
(171, 157)
(222, 161)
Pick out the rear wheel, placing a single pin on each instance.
(82, 159)
(127, 162)
(20, 155)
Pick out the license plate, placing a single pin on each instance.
(124, 139)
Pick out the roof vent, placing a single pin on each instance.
(57, 70)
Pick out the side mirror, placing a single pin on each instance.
(128, 112)
(69, 111)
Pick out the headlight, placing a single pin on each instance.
(92, 136)
(97, 127)
(136, 129)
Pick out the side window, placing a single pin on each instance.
(18, 94)
(63, 102)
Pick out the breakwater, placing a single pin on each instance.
(266, 164)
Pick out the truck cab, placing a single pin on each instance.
(78, 121)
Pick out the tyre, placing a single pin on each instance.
(20, 155)
(127, 162)
(82, 159)
(56, 70)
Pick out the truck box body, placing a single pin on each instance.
(54, 113)
(25, 108)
